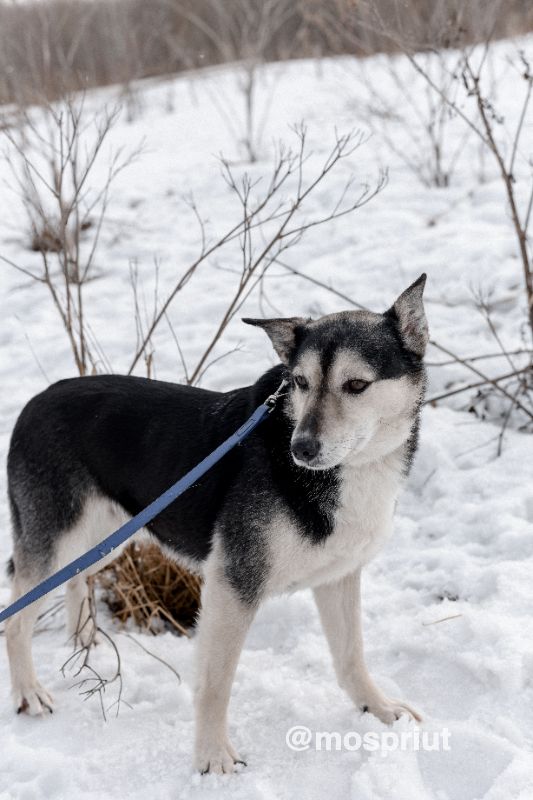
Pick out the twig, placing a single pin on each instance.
(444, 619)
(486, 379)
(483, 357)
(157, 658)
(506, 422)
(95, 683)
(475, 385)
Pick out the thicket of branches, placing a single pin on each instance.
(50, 47)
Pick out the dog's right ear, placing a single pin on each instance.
(283, 333)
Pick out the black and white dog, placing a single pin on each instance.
(306, 502)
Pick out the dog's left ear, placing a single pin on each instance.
(283, 333)
(408, 311)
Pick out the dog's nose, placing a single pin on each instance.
(305, 448)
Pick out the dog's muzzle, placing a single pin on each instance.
(305, 449)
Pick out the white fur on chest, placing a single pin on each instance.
(363, 522)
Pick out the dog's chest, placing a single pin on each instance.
(362, 522)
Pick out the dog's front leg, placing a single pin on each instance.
(339, 606)
(224, 622)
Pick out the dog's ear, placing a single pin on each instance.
(283, 333)
(408, 311)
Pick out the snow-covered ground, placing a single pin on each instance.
(447, 604)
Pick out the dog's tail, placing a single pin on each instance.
(10, 568)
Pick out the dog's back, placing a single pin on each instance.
(125, 439)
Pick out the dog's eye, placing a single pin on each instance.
(301, 382)
(355, 386)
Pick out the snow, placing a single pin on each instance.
(447, 604)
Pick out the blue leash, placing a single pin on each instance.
(147, 514)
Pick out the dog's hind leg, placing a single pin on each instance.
(100, 517)
(28, 694)
(97, 519)
(339, 606)
(224, 622)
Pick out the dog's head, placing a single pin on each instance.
(357, 379)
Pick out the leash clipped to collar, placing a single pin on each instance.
(145, 516)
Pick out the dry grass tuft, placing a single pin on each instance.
(144, 585)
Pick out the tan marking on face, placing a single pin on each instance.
(308, 365)
(348, 366)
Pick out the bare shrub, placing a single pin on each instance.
(412, 120)
(271, 222)
(504, 143)
(52, 156)
(364, 27)
(245, 37)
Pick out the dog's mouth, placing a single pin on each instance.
(318, 456)
(317, 464)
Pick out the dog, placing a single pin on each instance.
(306, 502)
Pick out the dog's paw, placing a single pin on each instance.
(388, 711)
(33, 700)
(217, 758)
